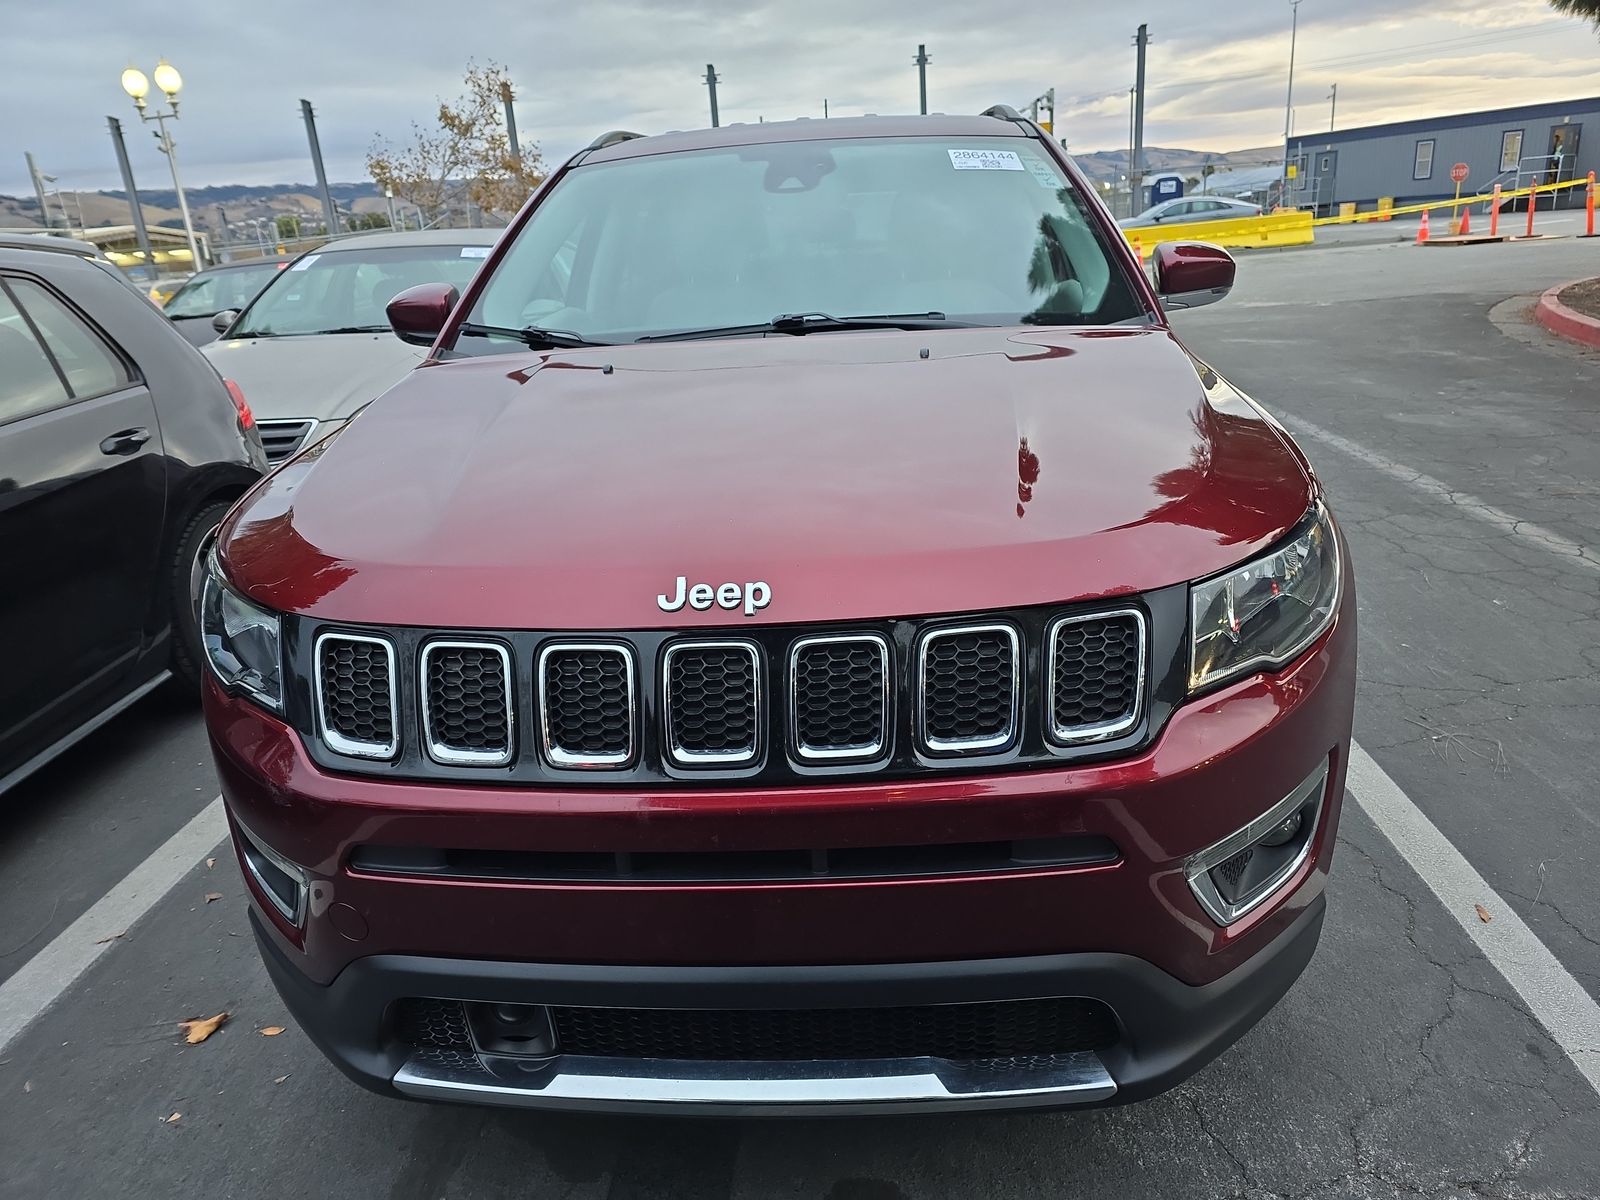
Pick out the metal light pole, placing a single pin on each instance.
(711, 80)
(170, 83)
(922, 60)
(1136, 173)
(1132, 211)
(1288, 103)
(511, 122)
(1333, 105)
(133, 194)
(330, 218)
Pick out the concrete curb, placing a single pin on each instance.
(1565, 322)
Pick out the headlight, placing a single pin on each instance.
(241, 641)
(1264, 613)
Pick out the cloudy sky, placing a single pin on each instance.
(1217, 71)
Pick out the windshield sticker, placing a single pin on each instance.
(474, 252)
(1041, 172)
(305, 262)
(985, 160)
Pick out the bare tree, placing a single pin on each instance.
(468, 157)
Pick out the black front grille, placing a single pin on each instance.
(467, 697)
(587, 698)
(713, 700)
(998, 1029)
(839, 697)
(969, 688)
(356, 693)
(1095, 669)
(281, 439)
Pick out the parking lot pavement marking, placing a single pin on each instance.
(45, 977)
(1568, 1013)
(1583, 556)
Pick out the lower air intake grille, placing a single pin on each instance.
(951, 1031)
(840, 698)
(1096, 673)
(713, 703)
(586, 694)
(467, 700)
(969, 687)
(355, 695)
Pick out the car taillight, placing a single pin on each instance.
(247, 419)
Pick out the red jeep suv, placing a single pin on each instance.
(809, 638)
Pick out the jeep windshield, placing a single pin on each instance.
(982, 231)
(347, 290)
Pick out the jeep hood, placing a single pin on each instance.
(855, 477)
(325, 376)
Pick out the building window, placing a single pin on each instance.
(1423, 167)
(1510, 149)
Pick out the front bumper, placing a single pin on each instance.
(1167, 1030)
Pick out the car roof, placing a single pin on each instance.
(424, 237)
(49, 241)
(805, 129)
(264, 260)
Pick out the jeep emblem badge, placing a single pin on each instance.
(752, 596)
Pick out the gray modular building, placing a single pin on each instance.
(1411, 160)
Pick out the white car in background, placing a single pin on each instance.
(1191, 208)
(315, 344)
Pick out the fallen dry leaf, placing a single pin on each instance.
(1483, 914)
(272, 1031)
(210, 896)
(210, 862)
(112, 938)
(169, 1120)
(280, 1079)
(198, 1030)
(27, 1085)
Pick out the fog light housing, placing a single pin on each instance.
(285, 885)
(511, 1030)
(1234, 876)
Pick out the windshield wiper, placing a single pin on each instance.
(816, 322)
(531, 335)
(356, 329)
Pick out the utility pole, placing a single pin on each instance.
(1333, 105)
(38, 190)
(711, 81)
(1288, 103)
(922, 60)
(1132, 211)
(329, 215)
(824, 108)
(1136, 175)
(511, 122)
(133, 193)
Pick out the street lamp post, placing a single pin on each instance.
(1288, 103)
(170, 82)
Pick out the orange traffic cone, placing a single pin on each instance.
(1138, 250)
(1466, 222)
(1422, 230)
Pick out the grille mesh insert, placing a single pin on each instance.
(467, 708)
(839, 697)
(357, 693)
(712, 702)
(950, 1031)
(588, 704)
(969, 682)
(1096, 672)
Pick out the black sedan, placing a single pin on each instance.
(120, 450)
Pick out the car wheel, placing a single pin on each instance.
(188, 660)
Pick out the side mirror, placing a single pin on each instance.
(1190, 274)
(220, 321)
(418, 314)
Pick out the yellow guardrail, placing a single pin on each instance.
(1543, 189)
(1268, 229)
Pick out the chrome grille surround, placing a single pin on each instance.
(341, 742)
(989, 742)
(847, 752)
(672, 750)
(1099, 731)
(460, 755)
(283, 439)
(563, 757)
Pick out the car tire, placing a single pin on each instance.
(188, 659)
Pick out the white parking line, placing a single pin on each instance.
(1587, 557)
(1558, 1001)
(45, 977)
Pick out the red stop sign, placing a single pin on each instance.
(1459, 173)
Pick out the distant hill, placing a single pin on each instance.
(1106, 166)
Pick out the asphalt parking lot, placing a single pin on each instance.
(1461, 448)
